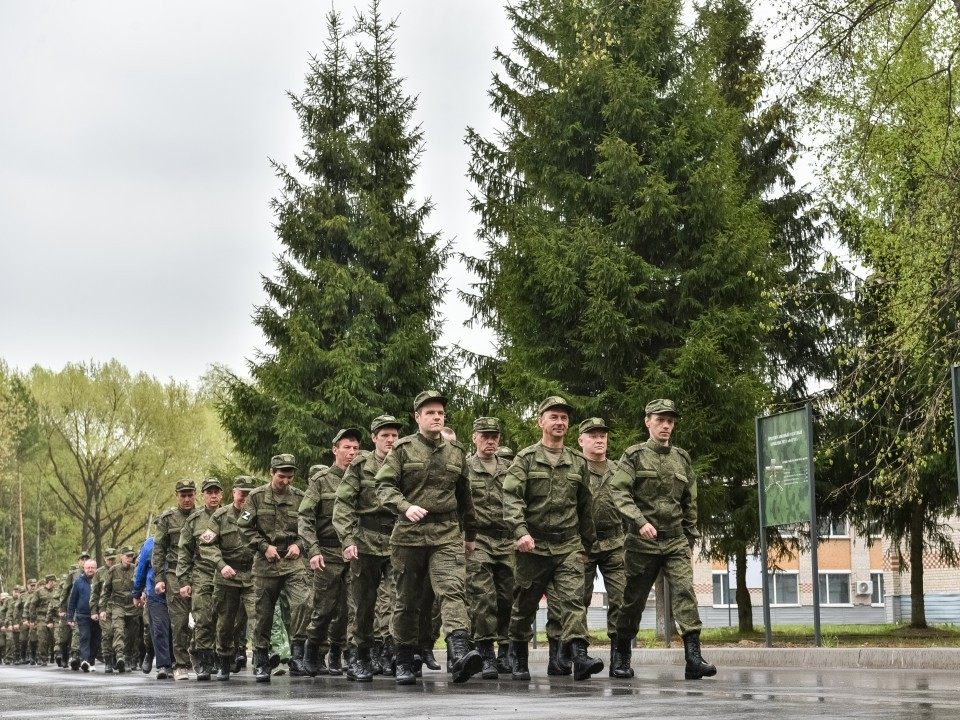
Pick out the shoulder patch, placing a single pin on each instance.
(246, 515)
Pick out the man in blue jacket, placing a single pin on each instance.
(78, 611)
(144, 591)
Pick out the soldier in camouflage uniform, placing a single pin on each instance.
(490, 566)
(425, 481)
(656, 490)
(9, 622)
(67, 640)
(16, 622)
(117, 593)
(46, 617)
(322, 546)
(364, 528)
(233, 600)
(166, 547)
(28, 624)
(269, 524)
(548, 506)
(100, 606)
(3, 627)
(196, 567)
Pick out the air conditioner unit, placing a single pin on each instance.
(864, 587)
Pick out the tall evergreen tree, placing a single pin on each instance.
(352, 321)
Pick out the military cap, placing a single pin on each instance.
(505, 452)
(211, 483)
(109, 552)
(84, 555)
(31, 581)
(552, 402)
(49, 577)
(127, 550)
(593, 423)
(354, 433)
(382, 421)
(18, 588)
(428, 396)
(486, 424)
(661, 407)
(244, 482)
(283, 461)
(186, 486)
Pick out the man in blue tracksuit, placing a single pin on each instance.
(78, 612)
(156, 608)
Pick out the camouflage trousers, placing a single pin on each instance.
(106, 632)
(233, 606)
(44, 642)
(125, 633)
(63, 633)
(178, 608)
(266, 590)
(490, 589)
(12, 646)
(368, 575)
(645, 559)
(442, 568)
(330, 608)
(204, 619)
(383, 610)
(560, 577)
(611, 565)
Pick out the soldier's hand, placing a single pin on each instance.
(160, 588)
(584, 558)
(95, 617)
(468, 547)
(293, 552)
(526, 544)
(228, 572)
(62, 614)
(648, 532)
(316, 562)
(415, 513)
(49, 625)
(351, 553)
(271, 554)
(185, 591)
(70, 623)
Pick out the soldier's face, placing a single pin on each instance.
(345, 451)
(185, 500)
(594, 444)
(430, 418)
(110, 561)
(660, 427)
(211, 498)
(50, 584)
(239, 497)
(126, 560)
(486, 444)
(280, 478)
(554, 423)
(384, 439)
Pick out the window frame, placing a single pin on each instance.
(825, 596)
(771, 583)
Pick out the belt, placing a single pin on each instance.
(172, 564)
(554, 537)
(379, 523)
(609, 533)
(439, 517)
(241, 566)
(665, 533)
(495, 533)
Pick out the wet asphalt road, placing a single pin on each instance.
(656, 692)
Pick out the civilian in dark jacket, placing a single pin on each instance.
(78, 611)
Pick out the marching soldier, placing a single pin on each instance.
(46, 617)
(28, 638)
(125, 627)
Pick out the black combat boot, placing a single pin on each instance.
(33, 653)
(554, 664)
(298, 667)
(504, 661)
(622, 668)
(204, 662)
(75, 661)
(107, 664)
(334, 665)
(466, 662)
(146, 665)
(351, 669)
(121, 665)
(311, 658)
(697, 667)
(261, 666)
(65, 655)
(223, 672)
(429, 659)
(521, 670)
(583, 665)
(564, 658)
(388, 660)
(273, 660)
(57, 658)
(376, 663)
(489, 657)
(364, 665)
(405, 671)
(240, 661)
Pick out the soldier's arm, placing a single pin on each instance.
(468, 514)
(96, 589)
(688, 504)
(388, 483)
(587, 525)
(621, 488)
(185, 554)
(514, 492)
(250, 528)
(307, 522)
(345, 520)
(160, 539)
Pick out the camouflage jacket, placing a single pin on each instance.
(606, 514)
(166, 541)
(118, 588)
(270, 518)
(315, 521)
(358, 516)
(230, 548)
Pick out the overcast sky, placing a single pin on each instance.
(134, 173)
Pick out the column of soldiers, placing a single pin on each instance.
(385, 543)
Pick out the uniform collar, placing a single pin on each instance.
(658, 448)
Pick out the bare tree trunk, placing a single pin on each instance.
(23, 555)
(918, 612)
(956, 4)
(744, 604)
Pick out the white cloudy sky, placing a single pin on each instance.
(134, 175)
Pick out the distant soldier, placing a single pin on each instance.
(29, 639)
(125, 626)
(424, 480)
(322, 547)
(548, 505)
(490, 567)
(364, 528)
(66, 639)
(166, 546)
(100, 606)
(269, 523)
(196, 566)
(233, 599)
(656, 490)
(46, 617)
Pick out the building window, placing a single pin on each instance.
(835, 588)
(721, 590)
(833, 527)
(877, 597)
(784, 588)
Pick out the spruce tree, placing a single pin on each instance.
(351, 320)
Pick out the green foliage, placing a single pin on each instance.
(352, 322)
